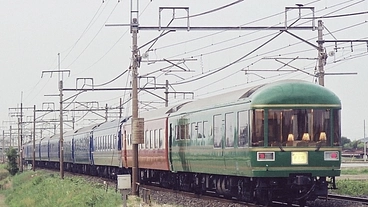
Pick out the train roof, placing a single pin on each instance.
(280, 94)
(88, 128)
(162, 112)
(109, 124)
(294, 94)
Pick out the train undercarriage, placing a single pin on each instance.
(297, 188)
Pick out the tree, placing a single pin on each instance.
(12, 166)
(345, 140)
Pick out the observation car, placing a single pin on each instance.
(274, 141)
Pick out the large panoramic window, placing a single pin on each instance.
(297, 127)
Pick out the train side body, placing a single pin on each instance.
(229, 134)
(105, 149)
(54, 148)
(44, 149)
(68, 139)
(82, 144)
(153, 153)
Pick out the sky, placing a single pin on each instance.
(39, 38)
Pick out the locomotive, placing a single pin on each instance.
(276, 141)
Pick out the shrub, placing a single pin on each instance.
(12, 166)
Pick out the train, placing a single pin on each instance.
(275, 141)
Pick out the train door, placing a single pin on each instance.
(72, 153)
(170, 146)
(48, 150)
(91, 149)
(119, 147)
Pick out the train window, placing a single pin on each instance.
(183, 129)
(193, 130)
(157, 139)
(229, 129)
(104, 142)
(337, 127)
(217, 135)
(257, 129)
(161, 138)
(199, 130)
(111, 142)
(177, 132)
(147, 141)
(99, 143)
(152, 139)
(243, 128)
(301, 127)
(115, 142)
(206, 129)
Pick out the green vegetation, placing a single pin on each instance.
(12, 166)
(40, 189)
(354, 171)
(351, 187)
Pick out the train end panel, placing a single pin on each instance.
(271, 162)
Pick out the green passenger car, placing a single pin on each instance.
(286, 131)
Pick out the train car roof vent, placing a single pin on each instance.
(251, 91)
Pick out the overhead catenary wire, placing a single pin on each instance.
(89, 25)
(94, 37)
(246, 58)
(194, 79)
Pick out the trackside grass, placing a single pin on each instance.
(41, 189)
(352, 187)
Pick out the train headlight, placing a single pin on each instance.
(265, 156)
(331, 156)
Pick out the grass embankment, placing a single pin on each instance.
(38, 189)
(352, 187)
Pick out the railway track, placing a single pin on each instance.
(211, 200)
(360, 200)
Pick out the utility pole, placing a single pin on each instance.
(134, 68)
(61, 141)
(167, 93)
(19, 157)
(21, 138)
(3, 146)
(34, 139)
(322, 56)
(365, 143)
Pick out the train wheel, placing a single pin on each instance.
(264, 197)
(241, 190)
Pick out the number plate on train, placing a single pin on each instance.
(299, 158)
